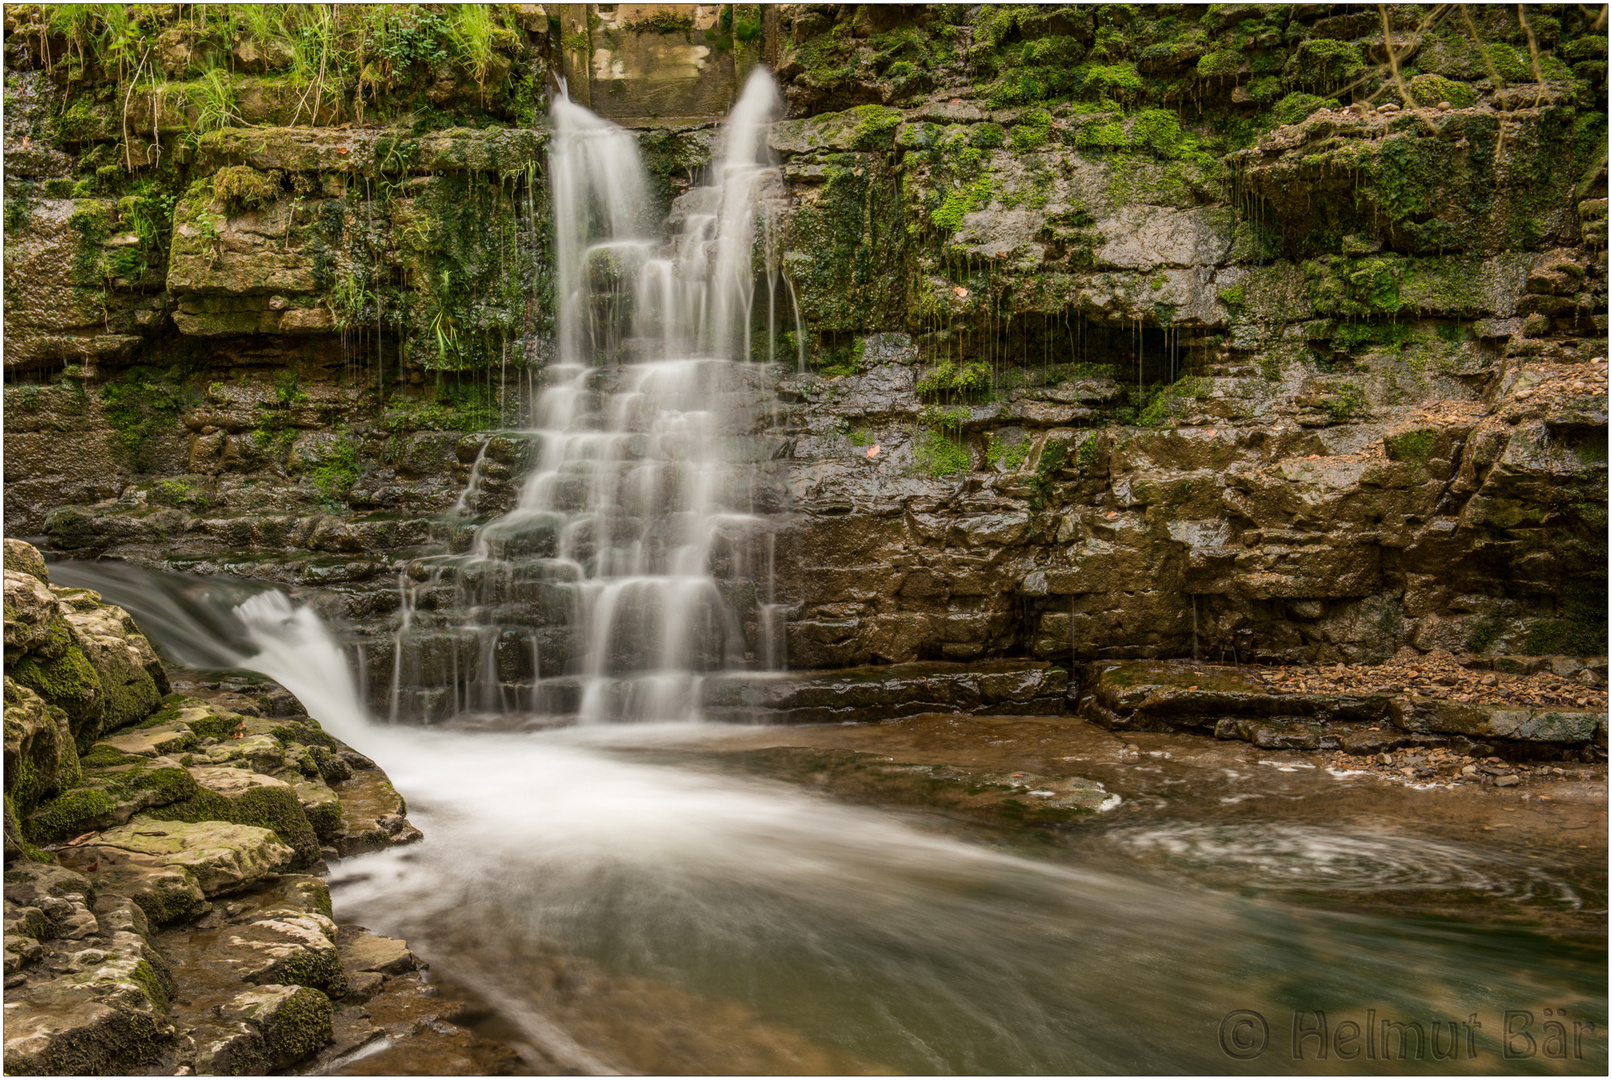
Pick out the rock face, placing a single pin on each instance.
(156, 926)
(1173, 332)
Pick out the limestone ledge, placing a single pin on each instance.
(1235, 703)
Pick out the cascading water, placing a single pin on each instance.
(623, 912)
(636, 557)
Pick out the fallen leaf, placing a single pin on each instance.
(1113, 513)
(874, 452)
(1213, 433)
(959, 290)
(77, 840)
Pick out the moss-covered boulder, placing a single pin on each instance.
(131, 676)
(39, 756)
(247, 798)
(294, 1021)
(109, 795)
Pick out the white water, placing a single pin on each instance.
(871, 933)
(645, 442)
(626, 914)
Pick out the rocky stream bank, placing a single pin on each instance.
(166, 848)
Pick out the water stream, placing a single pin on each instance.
(636, 556)
(628, 901)
(626, 908)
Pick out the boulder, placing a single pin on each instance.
(170, 866)
(40, 760)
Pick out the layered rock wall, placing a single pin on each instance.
(1256, 331)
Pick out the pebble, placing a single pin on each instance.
(1506, 781)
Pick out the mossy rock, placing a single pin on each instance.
(1428, 90)
(108, 797)
(244, 798)
(24, 558)
(70, 683)
(40, 759)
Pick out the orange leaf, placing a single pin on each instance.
(874, 452)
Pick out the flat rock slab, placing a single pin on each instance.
(1177, 695)
(383, 955)
(1164, 695)
(1018, 687)
(170, 738)
(371, 815)
(1551, 725)
(218, 857)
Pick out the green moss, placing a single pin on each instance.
(1112, 82)
(68, 815)
(1483, 634)
(141, 406)
(274, 808)
(1233, 295)
(948, 216)
(1325, 63)
(949, 379)
(145, 976)
(1006, 455)
(1412, 446)
(70, 683)
(1429, 90)
(241, 187)
(1348, 401)
(1033, 131)
(1054, 453)
(101, 756)
(987, 136)
(1297, 106)
(1220, 64)
(939, 455)
(337, 473)
(1109, 135)
(875, 127)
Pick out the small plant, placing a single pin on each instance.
(949, 379)
(939, 454)
(1347, 402)
(214, 97)
(336, 475)
(288, 392)
(1005, 455)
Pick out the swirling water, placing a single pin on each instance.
(626, 914)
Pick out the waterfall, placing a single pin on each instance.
(636, 558)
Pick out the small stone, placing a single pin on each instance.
(1506, 781)
(1444, 106)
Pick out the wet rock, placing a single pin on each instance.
(90, 1000)
(40, 759)
(382, 955)
(247, 798)
(1423, 714)
(372, 815)
(879, 693)
(109, 795)
(170, 866)
(1178, 695)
